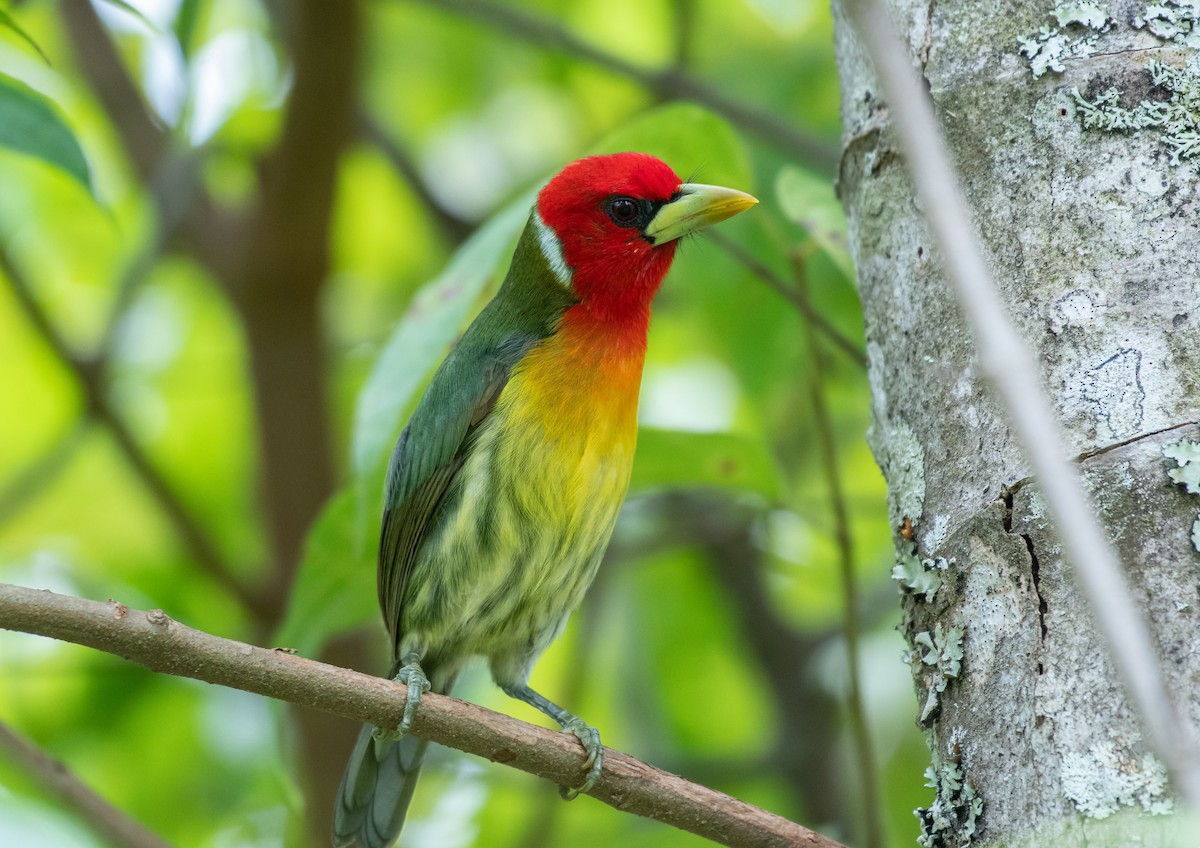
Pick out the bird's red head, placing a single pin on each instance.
(608, 226)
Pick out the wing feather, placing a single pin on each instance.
(428, 455)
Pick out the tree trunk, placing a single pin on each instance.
(1091, 236)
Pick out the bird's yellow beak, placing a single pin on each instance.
(697, 207)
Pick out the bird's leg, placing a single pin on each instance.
(588, 735)
(418, 684)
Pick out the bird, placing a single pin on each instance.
(504, 487)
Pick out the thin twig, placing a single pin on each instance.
(102, 817)
(870, 804)
(1006, 359)
(454, 228)
(30, 482)
(171, 187)
(788, 293)
(194, 536)
(161, 644)
(666, 84)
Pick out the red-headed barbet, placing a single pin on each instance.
(504, 487)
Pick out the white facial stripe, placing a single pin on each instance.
(552, 250)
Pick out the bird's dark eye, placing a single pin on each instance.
(624, 211)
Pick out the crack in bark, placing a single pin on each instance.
(927, 41)
(1035, 570)
(1035, 566)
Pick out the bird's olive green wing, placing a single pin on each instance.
(429, 454)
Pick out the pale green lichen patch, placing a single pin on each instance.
(921, 576)
(1091, 15)
(1177, 116)
(950, 821)
(1109, 776)
(940, 654)
(1186, 454)
(1076, 35)
(1173, 20)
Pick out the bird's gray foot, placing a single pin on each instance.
(588, 735)
(418, 684)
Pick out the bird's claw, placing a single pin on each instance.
(418, 684)
(594, 763)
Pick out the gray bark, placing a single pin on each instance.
(1091, 233)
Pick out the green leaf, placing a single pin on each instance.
(30, 124)
(335, 588)
(692, 140)
(672, 459)
(423, 337)
(809, 202)
(7, 21)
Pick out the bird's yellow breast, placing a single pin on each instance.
(535, 502)
(569, 425)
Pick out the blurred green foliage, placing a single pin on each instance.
(666, 657)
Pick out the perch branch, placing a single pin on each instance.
(102, 817)
(1006, 358)
(154, 640)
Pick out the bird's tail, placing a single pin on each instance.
(376, 788)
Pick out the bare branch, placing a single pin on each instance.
(156, 641)
(1006, 359)
(106, 820)
(666, 84)
(788, 293)
(194, 536)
